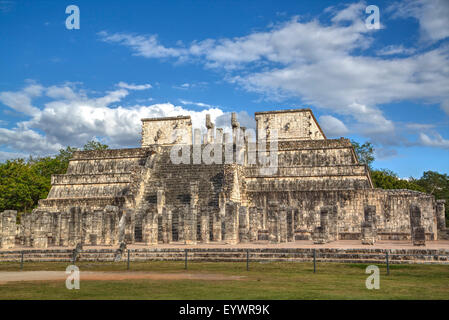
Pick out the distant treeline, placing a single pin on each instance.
(24, 182)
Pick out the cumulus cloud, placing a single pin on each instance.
(332, 126)
(21, 100)
(321, 63)
(432, 15)
(198, 104)
(143, 45)
(71, 117)
(125, 85)
(436, 141)
(395, 49)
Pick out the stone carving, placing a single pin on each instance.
(369, 232)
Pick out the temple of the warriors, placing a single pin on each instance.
(284, 181)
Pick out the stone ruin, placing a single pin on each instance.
(317, 190)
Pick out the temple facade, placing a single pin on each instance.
(284, 181)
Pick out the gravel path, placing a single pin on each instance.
(13, 276)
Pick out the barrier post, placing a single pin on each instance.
(247, 260)
(128, 261)
(314, 260)
(388, 262)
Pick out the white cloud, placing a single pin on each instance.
(145, 46)
(21, 100)
(72, 118)
(433, 16)
(317, 63)
(332, 126)
(198, 104)
(395, 49)
(125, 85)
(437, 141)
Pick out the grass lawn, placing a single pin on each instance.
(282, 280)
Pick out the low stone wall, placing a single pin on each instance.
(375, 256)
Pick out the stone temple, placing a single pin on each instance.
(307, 188)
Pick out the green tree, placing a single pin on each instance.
(365, 152)
(387, 179)
(95, 145)
(23, 183)
(436, 184)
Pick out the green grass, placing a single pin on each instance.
(263, 281)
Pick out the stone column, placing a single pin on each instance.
(321, 233)
(190, 225)
(190, 217)
(283, 227)
(210, 130)
(216, 226)
(110, 216)
(369, 233)
(273, 223)
(205, 225)
(41, 230)
(64, 229)
(253, 224)
(243, 224)
(166, 225)
(418, 233)
(181, 213)
(441, 215)
(291, 224)
(8, 229)
(232, 223)
(150, 225)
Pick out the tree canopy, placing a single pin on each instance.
(24, 182)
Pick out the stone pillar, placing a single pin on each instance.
(441, 215)
(216, 226)
(64, 229)
(369, 231)
(243, 224)
(196, 154)
(190, 217)
(235, 127)
(232, 223)
(321, 233)
(273, 223)
(181, 214)
(333, 224)
(8, 229)
(253, 224)
(210, 130)
(150, 228)
(291, 224)
(283, 227)
(205, 226)
(418, 233)
(166, 225)
(41, 230)
(111, 221)
(75, 226)
(190, 224)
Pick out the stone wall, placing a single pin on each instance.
(161, 131)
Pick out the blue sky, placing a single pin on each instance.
(135, 59)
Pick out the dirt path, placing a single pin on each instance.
(6, 277)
